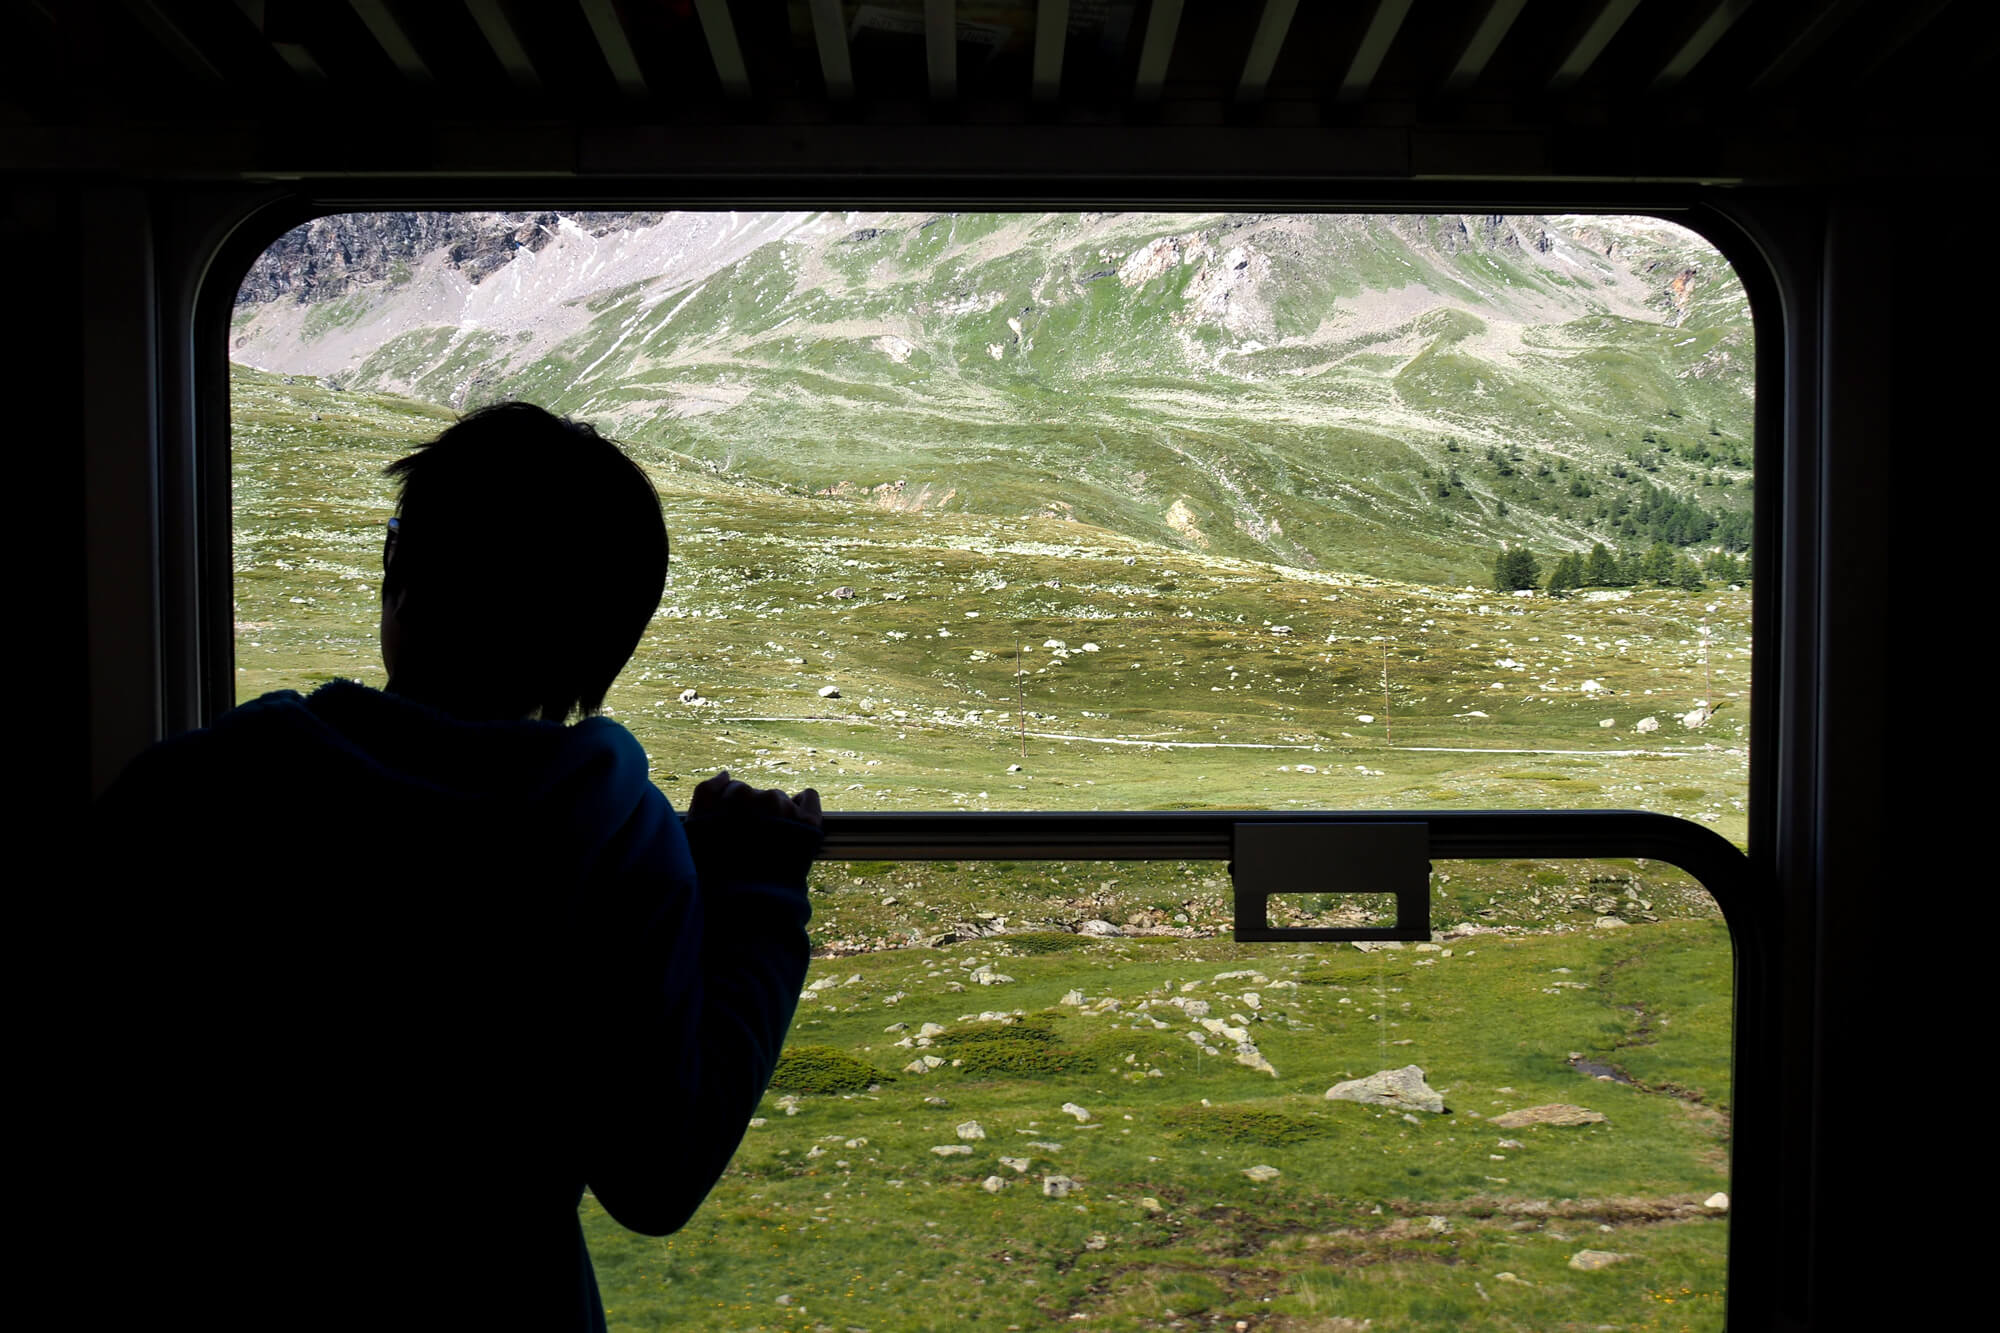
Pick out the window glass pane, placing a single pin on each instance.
(1084, 1099)
(1001, 511)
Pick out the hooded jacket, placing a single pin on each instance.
(405, 986)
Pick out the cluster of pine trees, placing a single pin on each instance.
(1661, 566)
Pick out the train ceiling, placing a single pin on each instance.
(1728, 90)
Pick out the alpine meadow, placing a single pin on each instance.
(1111, 511)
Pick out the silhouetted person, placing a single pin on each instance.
(411, 969)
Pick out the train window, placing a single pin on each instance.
(1000, 512)
(991, 511)
(1523, 1122)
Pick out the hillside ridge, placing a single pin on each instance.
(1392, 394)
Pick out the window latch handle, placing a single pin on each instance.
(1295, 859)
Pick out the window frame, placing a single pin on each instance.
(202, 253)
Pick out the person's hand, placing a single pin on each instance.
(722, 796)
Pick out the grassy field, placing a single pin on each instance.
(985, 662)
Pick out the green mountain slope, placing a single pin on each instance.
(1393, 396)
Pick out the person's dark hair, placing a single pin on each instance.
(531, 554)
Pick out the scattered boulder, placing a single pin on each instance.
(843, 592)
(1556, 1114)
(1097, 1241)
(1609, 922)
(952, 1150)
(1589, 1261)
(1019, 1165)
(1403, 1089)
(1071, 1108)
(1250, 1057)
(1647, 724)
(691, 696)
(829, 691)
(1718, 1201)
(1098, 929)
(1261, 1173)
(1056, 1187)
(970, 1130)
(993, 1184)
(1152, 1205)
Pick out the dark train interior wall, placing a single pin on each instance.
(1858, 134)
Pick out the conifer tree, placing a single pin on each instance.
(1657, 565)
(1723, 567)
(1601, 569)
(1515, 567)
(1567, 573)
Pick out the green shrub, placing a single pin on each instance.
(1027, 1048)
(1013, 1059)
(822, 1069)
(1260, 1125)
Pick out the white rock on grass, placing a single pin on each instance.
(1589, 1261)
(1718, 1201)
(1098, 929)
(1019, 1165)
(1261, 1173)
(1057, 1187)
(1403, 1089)
(1647, 725)
(952, 1150)
(993, 1184)
(829, 691)
(1071, 1108)
(970, 1130)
